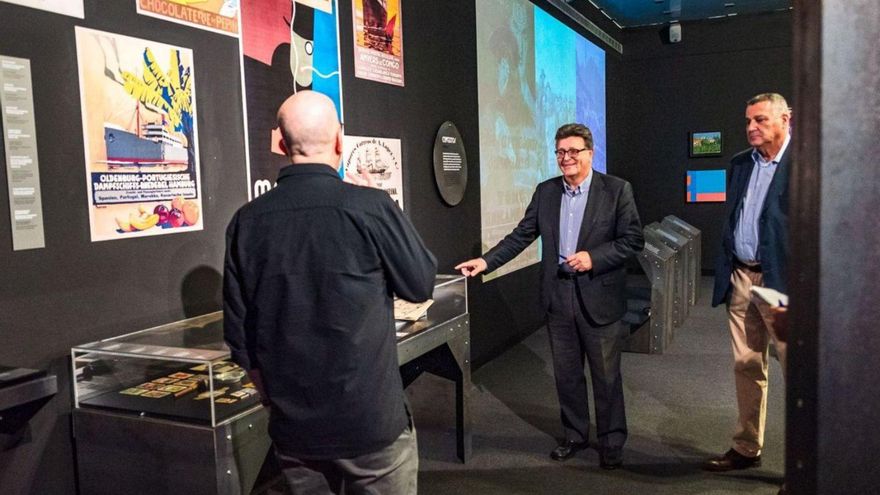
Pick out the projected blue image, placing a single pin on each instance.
(534, 74)
(590, 62)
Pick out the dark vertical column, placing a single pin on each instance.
(834, 379)
(805, 185)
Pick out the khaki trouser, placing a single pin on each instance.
(750, 332)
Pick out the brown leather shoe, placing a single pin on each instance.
(731, 460)
(566, 449)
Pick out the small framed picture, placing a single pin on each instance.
(706, 143)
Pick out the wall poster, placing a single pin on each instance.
(139, 128)
(73, 8)
(287, 46)
(219, 16)
(374, 162)
(378, 40)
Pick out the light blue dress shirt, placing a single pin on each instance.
(745, 237)
(571, 215)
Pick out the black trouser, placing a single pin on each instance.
(573, 336)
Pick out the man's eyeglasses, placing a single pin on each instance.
(572, 152)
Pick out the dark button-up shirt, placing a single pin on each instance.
(310, 271)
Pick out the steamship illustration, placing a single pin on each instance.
(152, 145)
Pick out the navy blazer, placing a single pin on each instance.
(611, 232)
(772, 225)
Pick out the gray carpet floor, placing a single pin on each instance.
(680, 410)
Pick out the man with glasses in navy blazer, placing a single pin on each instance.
(588, 226)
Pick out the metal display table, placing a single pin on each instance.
(131, 446)
(440, 345)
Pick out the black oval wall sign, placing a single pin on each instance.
(450, 164)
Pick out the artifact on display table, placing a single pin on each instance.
(410, 311)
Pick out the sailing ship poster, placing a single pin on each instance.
(139, 128)
(378, 40)
(286, 47)
(374, 162)
(219, 16)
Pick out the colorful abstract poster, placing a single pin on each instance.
(73, 8)
(286, 47)
(706, 186)
(219, 16)
(378, 40)
(374, 162)
(139, 127)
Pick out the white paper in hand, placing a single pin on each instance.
(770, 296)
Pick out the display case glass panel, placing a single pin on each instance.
(180, 371)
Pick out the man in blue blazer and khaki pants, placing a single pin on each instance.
(588, 226)
(754, 252)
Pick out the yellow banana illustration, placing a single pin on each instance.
(143, 222)
(124, 224)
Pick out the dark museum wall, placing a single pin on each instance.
(699, 84)
(74, 291)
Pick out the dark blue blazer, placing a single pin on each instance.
(772, 225)
(610, 232)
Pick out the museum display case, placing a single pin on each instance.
(179, 371)
(163, 410)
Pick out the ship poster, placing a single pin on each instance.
(139, 133)
(286, 47)
(73, 8)
(219, 16)
(374, 162)
(378, 40)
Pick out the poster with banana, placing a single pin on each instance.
(139, 129)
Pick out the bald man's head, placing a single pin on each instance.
(310, 129)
